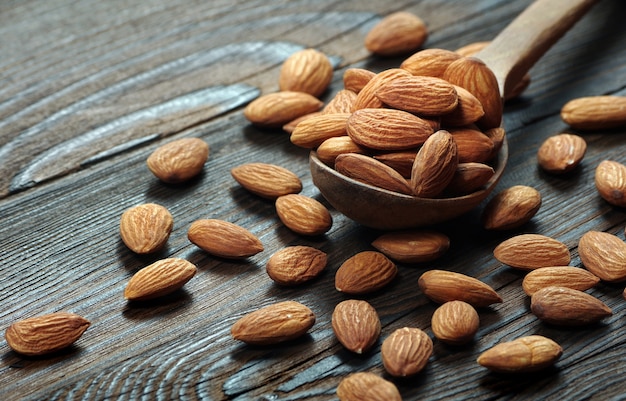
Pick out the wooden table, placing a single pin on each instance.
(89, 89)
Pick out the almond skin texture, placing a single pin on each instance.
(398, 33)
(158, 279)
(443, 286)
(434, 165)
(401, 161)
(266, 180)
(277, 109)
(467, 111)
(366, 97)
(429, 62)
(561, 153)
(308, 71)
(272, 324)
(356, 325)
(455, 323)
(295, 265)
(511, 208)
(604, 255)
(567, 307)
(365, 272)
(412, 246)
(224, 239)
(178, 161)
(45, 334)
(406, 351)
(610, 179)
(472, 145)
(559, 276)
(595, 112)
(468, 178)
(303, 215)
(342, 102)
(146, 228)
(525, 354)
(366, 386)
(428, 96)
(311, 132)
(355, 79)
(371, 171)
(328, 151)
(532, 251)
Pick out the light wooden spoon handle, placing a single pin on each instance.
(516, 49)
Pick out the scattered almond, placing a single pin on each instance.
(455, 322)
(567, 307)
(397, 33)
(372, 172)
(366, 386)
(559, 276)
(274, 110)
(224, 239)
(308, 71)
(146, 228)
(525, 354)
(303, 215)
(356, 325)
(179, 160)
(443, 286)
(511, 208)
(610, 179)
(595, 112)
(434, 165)
(412, 246)
(561, 153)
(266, 180)
(604, 255)
(365, 272)
(158, 279)
(406, 351)
(532, 251)
(295, 265)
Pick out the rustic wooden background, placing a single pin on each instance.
(89, 89)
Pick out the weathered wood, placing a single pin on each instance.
(90, 89)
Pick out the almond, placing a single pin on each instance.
(295, 265)
(372, 172)
(366, 97)
(561, 153)
(467, 111)
(434, 165)
(604, 255)
(303, 215)
(291, 125)
(567, 307)
(308, 71)
(595, 112)
(275, 323)
(355, 79)
(443, 286)
(412, 246)
(397, 33)
(455, 322)
(266, 180)
(224, 239)
(342, 102)
(472, 145)
(401, 161)
(179, 160)
(469, 177)
(406, 351)
(311, 132)
(328, 150)
(146, 228)
(559, 276)
(610, 180)
(365, 272)
(471, 49)
(161, 278)
(274, 110)
(532, 251)
(45, 334)
(525, 354)
(365, 386)
(428, 96)
(429, 62)
(356, 325)
(511, 208)
(497, 136)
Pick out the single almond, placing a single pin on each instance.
(559, 276)
(372, 172)
(398, 33)
(158, 279)
(295, 265)
(524, 354)
(303, 215)
(179, 160)
(511, 208)
(532, 251)
(342, 102)
(266, 180)
(434, 165)
(469, 177)
(274, 110)
(467, 111)
(224, 239)
(291, 125)
(563, 306)
(610, 180)
(45, 334)
(311, 132)
(366, 97)
(401, 161)
(309, 71)
(365, 272)
(561, 153)
(328, 150)
(443, 286)
(497, 136)
(412, 246)
(356, 325)
(455, 322)
(146, 228)
(604, 255)
(472, 145)
(355, 79)
(595, 112)
(429, 62)
(428, 96)
(275, 323)
(366, 386)
(405, 352)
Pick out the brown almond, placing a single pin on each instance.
(273, 324)
(429, 62)
(469, 177)
(146, 228)
(308, 71)
(365, 272)
(497, 136)
(428, 96)
(295, 265)
(532, 251)
(472, 145)
(366, 97)
(311, 132)
(412, 246)
(398, 33)
(342, 102)
(563, 306)
(610, 180)
(511, 208)
(434, 165)
(471, 49)
(604, 255)
(559, 276)
(274, 110)
(356, 325)
(158, 279)
(455, 322)
(303, 215)
(406, 351)
(467, 111)
(328, 150)
(45, 334)
(525, 354)
(266, 180)
(595, 112)
(178, 161)
(372, 172)
(443, 286)
(224, 239)
(401, 161)
(561, 153)
(291, 125)
(355, 79)
(366, 386)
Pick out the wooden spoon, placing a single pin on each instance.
(510, 55)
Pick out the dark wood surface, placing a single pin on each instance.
(89, 89)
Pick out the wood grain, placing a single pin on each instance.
(90, 89)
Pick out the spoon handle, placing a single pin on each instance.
(516, 49)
